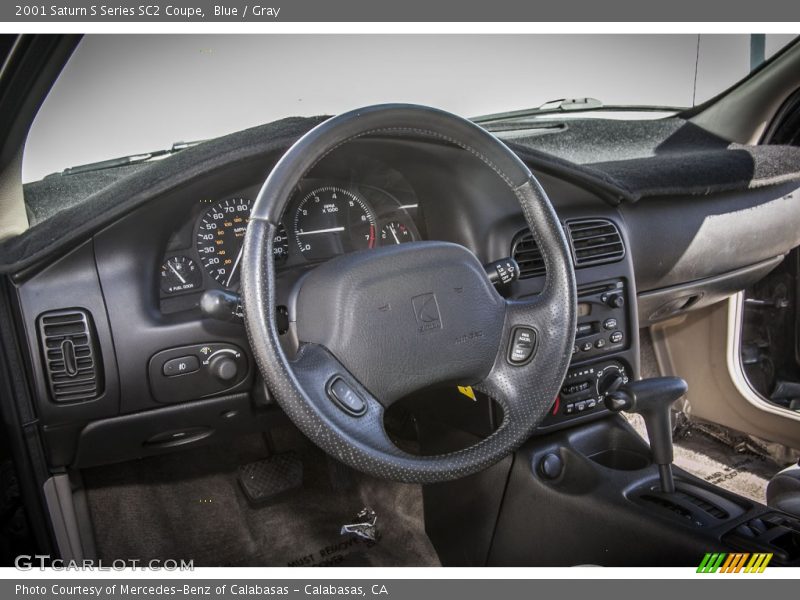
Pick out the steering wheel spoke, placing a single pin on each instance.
(525, 371)
(340, 399)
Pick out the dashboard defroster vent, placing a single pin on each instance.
(525, 251)
(70, 355)
(594, 241)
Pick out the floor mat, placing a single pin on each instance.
(189, 505)
(718, 463)
(701, 455)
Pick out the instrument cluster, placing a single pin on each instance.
(324, 218)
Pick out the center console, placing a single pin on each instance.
(638, 484)
(596, 489)
(605, 347)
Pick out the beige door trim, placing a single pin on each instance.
(702, 347)
(735, 314)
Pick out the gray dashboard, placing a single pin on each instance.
(437, 192)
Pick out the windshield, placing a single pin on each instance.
(123, 95)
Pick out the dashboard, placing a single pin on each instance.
(164, 373)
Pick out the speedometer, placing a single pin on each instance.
(220, 237)
(332, 220)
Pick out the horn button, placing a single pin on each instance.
(405, 317)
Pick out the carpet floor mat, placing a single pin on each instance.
(189, 505)
(704, 457)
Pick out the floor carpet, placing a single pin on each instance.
(703, 455)
(189, 505)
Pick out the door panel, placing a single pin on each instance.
(703, 347)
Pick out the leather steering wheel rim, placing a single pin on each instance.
(300, 384)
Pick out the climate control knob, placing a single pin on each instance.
(609, 379)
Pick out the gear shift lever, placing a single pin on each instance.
(651, 398)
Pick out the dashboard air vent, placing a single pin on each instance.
(525, 251)
(70, 355)
(594, 241)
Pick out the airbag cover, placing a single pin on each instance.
(369, 308)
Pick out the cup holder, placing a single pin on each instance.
(621, 459)
(612, 444)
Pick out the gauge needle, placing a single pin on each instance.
(329, 230)
(235, 265)
(394, 234)
(174, 270)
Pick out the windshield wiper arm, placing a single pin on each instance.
(123, 161)
(554, 106)
(565, 105)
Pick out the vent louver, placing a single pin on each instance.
(594, 241)
(525, 251)
(70, 355)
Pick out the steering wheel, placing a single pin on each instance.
(439, 318)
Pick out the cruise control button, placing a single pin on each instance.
(345, 397)
(180, 366)
(523, 345)
(616, 337)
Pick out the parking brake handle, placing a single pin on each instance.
(651, 398)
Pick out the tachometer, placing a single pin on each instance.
(220, 237)
(332, 220)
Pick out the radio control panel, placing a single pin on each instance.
(602, 339)
(602, 320)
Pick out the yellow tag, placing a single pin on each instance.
(467, 391)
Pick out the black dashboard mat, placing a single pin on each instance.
(620, 160)
(636, 159)
(72, 209)
(189, 505)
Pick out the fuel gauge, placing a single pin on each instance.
(395, 232)
(180, 274)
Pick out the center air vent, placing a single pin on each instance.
(525, 251)
(594, 241)
(70, 355)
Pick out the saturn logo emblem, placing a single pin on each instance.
(426, 309)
